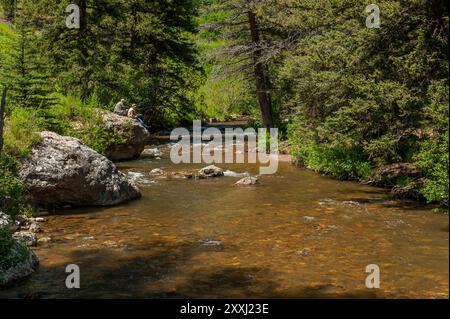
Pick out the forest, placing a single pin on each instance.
(349, 100)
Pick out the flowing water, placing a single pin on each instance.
(296, 235)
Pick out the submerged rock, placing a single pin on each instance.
(151, 153)
(135, 134)
(210, 171)
(229, 173)
(157, 171)
(44, 240)
(210, 242)
(248, 181)
(62, 170)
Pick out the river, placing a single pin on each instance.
(296, 235)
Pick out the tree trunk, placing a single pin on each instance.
(2, 117)
(261, 74)
(84, 81)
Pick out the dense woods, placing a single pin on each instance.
(348, 99)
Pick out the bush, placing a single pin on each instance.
(12, 252)
(12, 194)
(21, 132)
(72, 117)
(341, 160)
(433, 158)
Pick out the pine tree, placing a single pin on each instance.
(28, 72)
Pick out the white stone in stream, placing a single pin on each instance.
(157, 171)
(151, 153)
(211, 171)
(62, 170)
(248, 181)
(44, 240)
(229, 173)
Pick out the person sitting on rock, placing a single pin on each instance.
(120, 108)
(132, 114)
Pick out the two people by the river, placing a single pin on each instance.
(120, 109)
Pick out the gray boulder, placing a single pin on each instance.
(24, 263)
(62, 170)
(135, 134)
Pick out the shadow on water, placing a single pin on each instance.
(105, 273)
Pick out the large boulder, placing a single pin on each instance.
(62, 170)
(135, 134)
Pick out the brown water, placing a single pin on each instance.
(297, 235)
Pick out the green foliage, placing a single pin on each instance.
(433, 158)
(139, 50)
(342, 161)
(12, 195)
(8, 7)
(26, 72)
(8, 38)
(21, 132)
(11, 251)
(83, 120)
(93, 133)
(379, 94)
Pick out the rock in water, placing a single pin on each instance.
(151, 153)
(24, 262)
(211, 171)
(248, 181)
(27, 237)
(136, 136)
(229, 173)
(62, 170)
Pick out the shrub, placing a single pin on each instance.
(12, 194)
(12, 252)
(433, 158)
(21, 132)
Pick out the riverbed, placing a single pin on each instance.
(295, 235)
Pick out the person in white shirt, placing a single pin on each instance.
(120, 108)
(133, 114)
